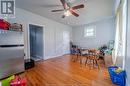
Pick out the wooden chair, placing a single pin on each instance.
(78, 54)
(84, 53)
(92, 57)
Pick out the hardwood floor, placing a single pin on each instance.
(61, 71)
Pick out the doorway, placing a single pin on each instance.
(36, 42)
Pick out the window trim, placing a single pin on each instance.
(94, 32)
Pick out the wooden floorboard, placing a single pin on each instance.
(61, 71)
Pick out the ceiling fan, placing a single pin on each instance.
(68, 10)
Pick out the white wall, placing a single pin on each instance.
(53, 33)
(105, 32)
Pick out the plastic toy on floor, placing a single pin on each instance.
(6, 82)
(17, 81)
(13, 81)
(117, 75)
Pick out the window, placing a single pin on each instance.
(89, 31)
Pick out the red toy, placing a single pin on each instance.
(18, 81)
(4, 25)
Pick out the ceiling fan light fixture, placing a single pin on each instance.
(67, 13)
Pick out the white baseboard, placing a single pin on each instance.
(49, 57)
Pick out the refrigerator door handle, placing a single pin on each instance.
(7, 46)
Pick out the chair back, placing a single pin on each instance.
(93, 53)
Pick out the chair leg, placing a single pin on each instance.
(93, 63)
(73, 59)
(97, 63)
(77, 57)
(80, 60)
(86, 61)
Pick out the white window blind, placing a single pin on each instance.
(90, 31)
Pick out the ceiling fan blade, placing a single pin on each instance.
(57, 10)
(64, 3)
(78, 7)
(50, 6)
(74, 13)
(63, 16)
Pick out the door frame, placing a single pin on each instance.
(28, 39)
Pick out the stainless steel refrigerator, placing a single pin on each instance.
(11, 53)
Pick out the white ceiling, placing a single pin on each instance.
(94, 10)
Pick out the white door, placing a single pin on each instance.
(66, 42)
